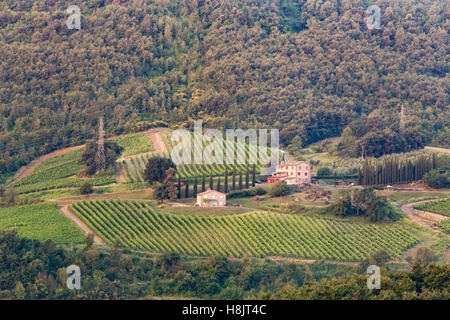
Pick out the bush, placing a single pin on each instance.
(324, 172)
(156, 169)
(436, 179)
(247, 193)
(86, 188)
(280, 189)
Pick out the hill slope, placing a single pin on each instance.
(307, 67)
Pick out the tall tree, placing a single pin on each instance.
(225, 183)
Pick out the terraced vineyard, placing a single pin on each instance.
(133, 144)
(242, 151)
(137, 225)
(439, 207)
(133, 167)
(58, 172)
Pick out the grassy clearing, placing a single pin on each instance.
(40, 222)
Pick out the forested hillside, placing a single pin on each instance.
(310, 68)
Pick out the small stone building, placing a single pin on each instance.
(211, 198)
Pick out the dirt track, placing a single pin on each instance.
(158, 143)
(426, 220)
(26, 170)
(423, 218)
(80, 224)
(437, 149)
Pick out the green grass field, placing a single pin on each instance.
(138, 225)
(40, 222)
(439, 207)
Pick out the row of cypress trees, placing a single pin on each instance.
(234, 185)
(395, 170)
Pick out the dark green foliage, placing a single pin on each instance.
(211, 186)
(279, 189)
(218, 187)
(86, 188)
(156, 168)
(254, 175)
(363, 202)
(240, 180)
(186, 190)
(247, 193)
(437, 179)
(324, 172)
(234, 179)
(166, 189)
(247, 177)
(182, 57)
(112, 273)
(203, 183)
(396, 170)
(225, 184)
(194, 192)
(88, 157)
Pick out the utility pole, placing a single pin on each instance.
(402, 119)
(362, 153)
(101, 159)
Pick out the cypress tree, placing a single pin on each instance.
(211, 186)
(225, 183)
(179, 188)
(254, 175)
(247, 177)
(218, 184)
(203, 183)
(186, 191)
(234, 178)
(240, 180)
(194, 194)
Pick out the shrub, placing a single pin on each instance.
(436, 179)
(247, 193)
(86, 188)
(324, 172)
(280, 189)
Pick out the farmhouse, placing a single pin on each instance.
(211, 198)
(298, 172)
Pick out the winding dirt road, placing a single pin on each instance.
(423, 218)
(426, 220)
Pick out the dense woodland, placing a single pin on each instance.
(308, 67)
(30, 269)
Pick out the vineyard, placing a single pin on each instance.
(137, 225)
(133, 167)
(58, 172)
(134, 144)
(40, 222)
(439, 207)
(244, 151)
